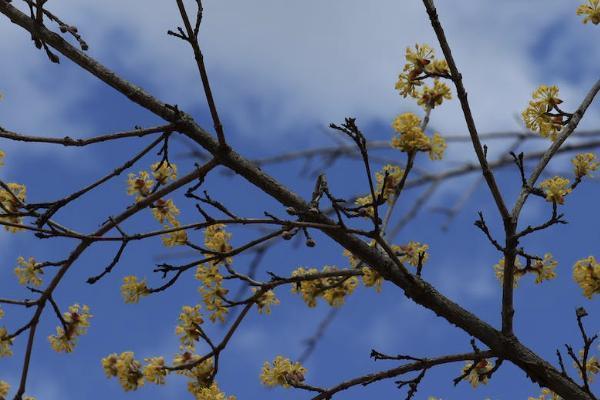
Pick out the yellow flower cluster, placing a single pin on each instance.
(546, 394)
(517, 274)
(420, 64)
(164, 211)
(556, 189)
(591, 10)
(28, 272)
(211, 393)
(477, 375)
(125, 368)
(139, 185)
(432, 96)
(282, 372)
(1, 158)
(584, 164)
(372, 278)
(394, 176)
(216, 239)
(154, 370)
(586, 273)
(5, 343)
(537, 115)
(366, 201)
(411, 137)
(200, 375)
(411, 253)
(163, 171)
(212, 291)
(4, 388)
(10, 202)
(188, 328)
(77, 322)
(333, 289)
(544, 269)
(265, 301)
(132, 290)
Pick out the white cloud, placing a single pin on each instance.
(276, 64)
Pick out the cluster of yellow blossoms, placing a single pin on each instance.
(5, 343)
(282, 372)
(591, 10)
(188, 329)
(132, 289)
(584, 164)
(420, 64)
(543, 269)
(265, 301)
(11, 202)
(478, 374)
(76, 324)
(132, 375)
(217, 243)
(164, 211)
(592, 366)
(537, 116)
(411, 137)
(586, 273)
(28, 272)
(5, 388)
(556, 189)
(546, 394)
(332, 289)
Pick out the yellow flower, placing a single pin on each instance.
(216, 239)
(155, 371)
(175, 238)
(209, 393)
(437, 147)
(1, 313)
(407, 86)
(586, 273)
(125, 368)
(28, 272)
(430, 97)
(412, 252)
(591, 10)
(188, 327)
(212, 290)
(4, 388)
(556, 189)
(163, 171)
(546, 394)
(333, 290)
(584, 164)
(282, 373)
(77, 322)
(394, 176)
(265, 301)
(11, 201)
(132, 290)
(200, 373)
(5, 343)
(372, 278)
(418, 59)
(518, 273)
(139, 185)
(165, 210)
(1, 158)
(437, 67)
(544, 269)
(411, 137)
(478, 374)
(536, 116)
(364, 202)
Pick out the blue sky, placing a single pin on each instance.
(281, 72)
